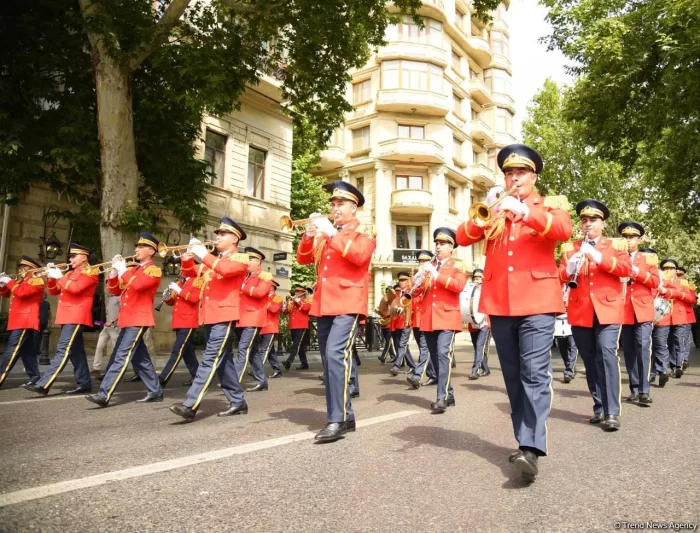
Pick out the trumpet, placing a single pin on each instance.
(287, 224)
(178, 251)
(103, 268)
(574, 280)
(481, 214)
(43, 271)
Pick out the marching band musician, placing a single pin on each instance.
(521, 294)
(74, 313)
(342, 256)
(688, 300)
(441, 318)
(385, 324)
(566, 344)
(219, 280)
(25, 294)
(425, 366)
(137, 288)
(254, 290)
(298, 310)
(265, 349)
(481, 338)
(639, 313)
(597, 307)
(401, 325)
(184, 299)
(661, 337)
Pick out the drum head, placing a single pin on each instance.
(477, 318)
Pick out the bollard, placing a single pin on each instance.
(44, 358)
(369, 334)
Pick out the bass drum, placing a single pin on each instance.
(469, 304)
(561, 326)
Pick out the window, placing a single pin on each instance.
(337, 138)
(504, 121)
(215, 156)
(475, 157)
(256, 172)
(411, 75)
(452, 197)
(473, 75)
(499, 81)
(456, 62)
(409, 182)
(459, 19)
(499, 43)
(456, 148)
(411, 132)
(361, 91)
(457, 104)
(408, 31)
(360, 185)
(360, 139)
(492, 161)
(409, 237)
(475, 115)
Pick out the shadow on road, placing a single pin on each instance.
(310, 418)
(686, 384)
(481, 386)
(315, 391)
(561, 414)
(567, 392)
(408, 399)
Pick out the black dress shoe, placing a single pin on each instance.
(568, 378)
(663, 379)
(354, 395)
(450, 402)
(473, 375)
(286, 364)
(431, 381)
(188, 382)
(596, 418)
(302, 367)
(652, 379)
(183, 411)
(97, 399)
(513, 456)
(679, 372)
(413, 382)
(277, 374)
(438, 407)
(162, 382)
(35, 388)
(258, 387)
(611, 423)
(382, 360)
(394, 371)
(332, 432)
(133, 379)
(632, 397)
(526, 462)
(237, 410)
(78, 390)
(100, 378)
(250, 373)
(454, 363)
(320, 376)
(151, 397)
(685, 365)
(645, 398)
(350, 425)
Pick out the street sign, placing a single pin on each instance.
(280, 256)
(281, 271)
(406, 256)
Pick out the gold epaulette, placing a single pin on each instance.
(309, 300)
(567, 247)
(692, 287)
(460, 264)
(619, 244)
(684, 283)
(153, 271)
(35, 282)
(277, 300)
(240, 258)
(370, 230)
(91, 271)
(557, 202)
(651, 259)
(265, 276)
(197, 283)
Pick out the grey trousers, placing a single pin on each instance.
(659, 349)
(401, 338)
(246, 347)
(442, 343)
(425, 363)
(480, 341)
(70, 347)
(569, 354)
(636, 344)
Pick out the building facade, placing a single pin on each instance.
(432, 108)
(250, 153)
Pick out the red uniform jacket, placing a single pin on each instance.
(25, 296)
(399, 320)
(674, 292)
(76, 289)
(186, 305)
(219, 282)
(692, 300)
(417, 303)
(639, 301)
(274, 306)
(520, 274)
(254, 290)
(298, 313)
(599, 288)
(342, 286)
(686, 301)
(137, 287)
(441, 309)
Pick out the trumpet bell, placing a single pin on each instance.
(286, 223)
(480, 214)
(162, 249)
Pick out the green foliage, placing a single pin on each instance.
(637, 95)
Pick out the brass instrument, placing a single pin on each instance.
(39, 272)
(166, 296)
(574, 280)
(481, 214)
(103, 268)
(403, 302)
(287, 224)
(384, 308)
(178, 251)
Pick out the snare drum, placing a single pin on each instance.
(469, 305)
(561, 326)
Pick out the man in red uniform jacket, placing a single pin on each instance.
(521, 293)
(219, 279)
(265, 349)
(298, 311)
(137, 288)
(481, 336)
(639, 313)
(184, 299)
(400, 328)
(425, 366)
(597, 307)
(688, 300)
(342, 255)
(25, 296)
(664, 333)
(76, 290)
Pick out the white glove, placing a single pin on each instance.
(4, 279)
(324, 225)
(119, 265)
(297, 300)
(194, 241)
(430, 269)
(573, 261)
(493, 194)
(515, 206)
(50, 265)
(175, 287)
(399, 310)
(588, 249)
(635, 270)
(54, 273)
(199, 250)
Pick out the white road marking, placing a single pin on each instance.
(42, 399)
(44, 491)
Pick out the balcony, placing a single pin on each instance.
(504, 100)
(332, 157)
(481, 131)
(411, 150)
(502, 62)
(504, 139)
(412, 202)
(413, 101)
(481, 175)
(414, 52)
(480, 50)
(479, 91)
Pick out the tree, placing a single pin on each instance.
(637, 97)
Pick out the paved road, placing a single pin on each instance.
(67, 466)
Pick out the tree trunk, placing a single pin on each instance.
(120, 174)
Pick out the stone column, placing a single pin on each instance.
(438, 189)
(466, 204)
(383, 178)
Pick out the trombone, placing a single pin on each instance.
(287, 224)
(178, 251)
(103, 268)
(481, 214)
